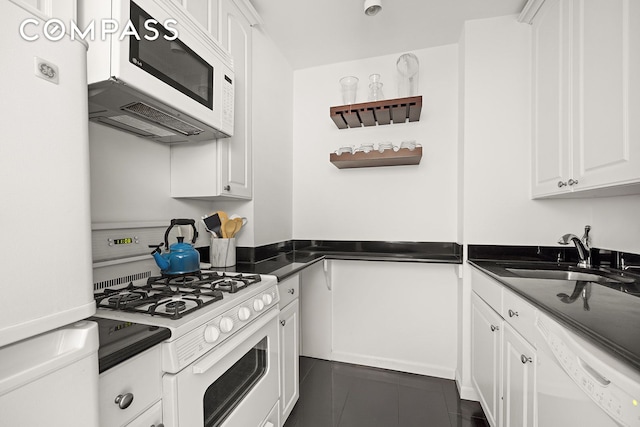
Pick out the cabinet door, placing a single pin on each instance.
(606, 93)
(234, 153)
(66, 10)
(486, 330)
(518, 380)
(550, 139)
(289, 356)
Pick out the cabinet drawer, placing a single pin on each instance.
(141, 376)
(289, 290)
(152, 417)
(520, 315)
(487, 289)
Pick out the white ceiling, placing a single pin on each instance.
(316, 32)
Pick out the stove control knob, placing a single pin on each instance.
(267, 298)
(244, 313)
(211, 334)
(226, 324)
(258, 305)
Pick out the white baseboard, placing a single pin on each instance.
(394, 364)
(466, 392)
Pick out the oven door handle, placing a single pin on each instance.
(209, 361)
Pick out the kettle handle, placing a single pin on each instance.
(182, 221)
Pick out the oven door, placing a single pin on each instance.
(234, 385)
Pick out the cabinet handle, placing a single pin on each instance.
(513, 313)
(283, 322)
(494, 328)
(124, 400)
(159, 425)
(573, 182)
(227, 188)
(561, 184)
(525, 359)
(291, 291)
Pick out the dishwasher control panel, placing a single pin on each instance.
(601, 387)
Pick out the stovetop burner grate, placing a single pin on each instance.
(174, 296)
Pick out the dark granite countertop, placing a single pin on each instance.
(289, 258)
(609, 318)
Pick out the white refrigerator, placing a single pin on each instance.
(48, 354)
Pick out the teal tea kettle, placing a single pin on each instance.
(182, 257)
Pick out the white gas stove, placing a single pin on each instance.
(202, 310)
(224, 334)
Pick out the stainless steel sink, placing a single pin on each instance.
(595, 276)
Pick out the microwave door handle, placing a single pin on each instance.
(210, 361)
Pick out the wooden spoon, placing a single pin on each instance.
(229, 229)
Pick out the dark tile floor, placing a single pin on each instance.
(334, 394)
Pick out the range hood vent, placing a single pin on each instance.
(157, 116)
(116, 104)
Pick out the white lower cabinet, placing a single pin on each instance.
(503, 360)
(289, 345)
(518, 380)
(152, 417)
(130, 393)
(486, 357)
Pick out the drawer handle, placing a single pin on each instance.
(291, 291)
(124, 400)
(283, 322)
(525, 359)
(513, 313)
(159, 425)
(494, 328)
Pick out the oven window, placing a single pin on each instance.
(171, 61)
(228, 391)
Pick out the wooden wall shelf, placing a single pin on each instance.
(403, 156)
(397, 110)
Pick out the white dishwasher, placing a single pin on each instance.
(579, 384)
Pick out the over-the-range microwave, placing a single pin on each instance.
(155, 73)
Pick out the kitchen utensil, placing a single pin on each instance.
(236, 216)
(410, 145)
(229, 229)
(375, 88)
(239, 223)
(222, 253)
(213, 224)
(182, 257)
(345, 149)
(385, 146)
(408, 67)
(365, 148)
(349, 87)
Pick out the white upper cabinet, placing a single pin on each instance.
(221, 169)
(234, 153)
(66, 10)
(586, 66)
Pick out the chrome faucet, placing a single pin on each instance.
(583, 245)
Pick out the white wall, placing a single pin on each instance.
(130, 180)
(397, 203)
(497, 205)
(272, 142)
